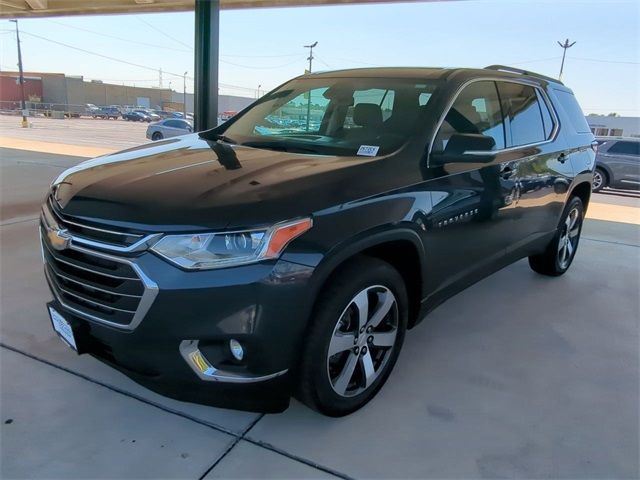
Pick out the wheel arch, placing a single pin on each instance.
(607, 170)
(402, 248)
(583, 192)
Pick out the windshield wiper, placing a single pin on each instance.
(222, 138)
(281, 146)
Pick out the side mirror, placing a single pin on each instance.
(466, 148)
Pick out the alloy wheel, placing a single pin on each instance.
(363, 341)
(597, 180)
(569, 238)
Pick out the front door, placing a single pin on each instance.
(472, 201)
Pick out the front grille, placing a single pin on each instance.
(89, 282)
(94, 287)
(83, 230)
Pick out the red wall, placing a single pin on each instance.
(10, 90)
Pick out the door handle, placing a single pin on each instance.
(562, 158)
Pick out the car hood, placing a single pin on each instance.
(188, 183)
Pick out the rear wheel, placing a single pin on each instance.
(600, 180)
(156, 136)
(559, 255)
(355, 337)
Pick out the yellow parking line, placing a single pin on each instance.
(55, 148)
(614, 213)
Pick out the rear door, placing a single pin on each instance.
(539, 161)
(623, 157)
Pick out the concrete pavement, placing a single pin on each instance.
(519, 376)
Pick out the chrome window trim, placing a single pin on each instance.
(190, 347)
(556, 121)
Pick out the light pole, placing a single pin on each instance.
(23, 105)
(565, 46)
(184, 95)
(258, 94)
(310, 58)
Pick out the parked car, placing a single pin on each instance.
(153, 117)
(163, 114)
(188, 116)
(136, 116)
(106, 113)
(617, 163)
(171, 127)
(236, 268)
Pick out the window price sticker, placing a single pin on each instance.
(368, 150)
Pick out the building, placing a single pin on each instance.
(609, 126)
(58, 91)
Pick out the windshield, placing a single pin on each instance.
(334, 116)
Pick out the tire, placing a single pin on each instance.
(336, 384)
(600, 180)
(559, 254)
(156, 136)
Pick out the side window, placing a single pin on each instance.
(570, 106)
(475, 110)
(625, 148)
(173, 124)
(520, 104)
(547, 119)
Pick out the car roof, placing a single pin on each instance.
(493, 71)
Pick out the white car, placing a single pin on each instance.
(169, 127)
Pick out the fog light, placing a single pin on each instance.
(236, 349)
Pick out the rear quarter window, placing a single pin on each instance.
(570, 105)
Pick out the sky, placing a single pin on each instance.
(265, 46)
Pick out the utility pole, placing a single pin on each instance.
(566, 45)
(184, 95)
(310, 58)
(23, 105)
(258, 94)
(160, 78)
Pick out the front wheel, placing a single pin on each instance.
(559, 254)
(355, 337)
(156, 136)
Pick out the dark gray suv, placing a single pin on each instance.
(617, 163)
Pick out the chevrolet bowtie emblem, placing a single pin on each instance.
(59, 239)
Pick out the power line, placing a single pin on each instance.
(604, 61)
(162, 32)
(136, 42)
(262, 56)
(146, 67)
(261, 68)
(535, 61)
(89, 52)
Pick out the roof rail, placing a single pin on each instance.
(505, 68)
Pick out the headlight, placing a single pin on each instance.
(203, 251)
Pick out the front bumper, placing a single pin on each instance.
(263, 306)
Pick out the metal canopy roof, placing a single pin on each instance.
(44, 8)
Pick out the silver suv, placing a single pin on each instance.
(617, 163)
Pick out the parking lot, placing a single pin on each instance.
(541, 381)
